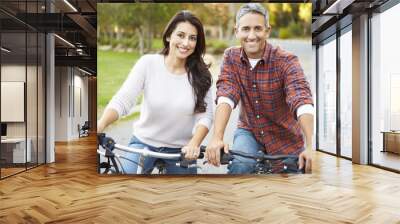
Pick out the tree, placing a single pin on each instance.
(305, 14)
(107, 17)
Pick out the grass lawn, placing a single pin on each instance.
(113, 69)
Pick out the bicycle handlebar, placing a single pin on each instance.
(225, 158)
(109, 144)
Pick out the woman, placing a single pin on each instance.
(176, 113)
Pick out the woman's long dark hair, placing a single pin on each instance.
(198, 74)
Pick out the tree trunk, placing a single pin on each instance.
(119, 33)
(231, 23)
(148, 38)
(220, 32)
(141, 42)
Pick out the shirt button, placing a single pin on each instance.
(256, 101)
(258, 116)
(254, 85)
(262, 132)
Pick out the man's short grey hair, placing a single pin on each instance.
(252, 8)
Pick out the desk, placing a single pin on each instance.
(15, 148)
(391, 141)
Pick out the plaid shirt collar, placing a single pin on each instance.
(264, 58)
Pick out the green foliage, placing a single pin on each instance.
(290, 20)
(130, 42)
(157, 44)
(114, 42)
(103, 40)
(215, 46)
(128, 22)
(284, 33)
(295, 30)
(275, 32)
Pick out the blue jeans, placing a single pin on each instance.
(244, 141)
(149, 162)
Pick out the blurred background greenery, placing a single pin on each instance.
(140, 26)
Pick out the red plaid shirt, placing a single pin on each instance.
(270, 95)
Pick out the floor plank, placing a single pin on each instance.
(70, 191)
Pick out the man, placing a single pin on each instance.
(276, 102)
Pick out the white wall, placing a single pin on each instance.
(33, 126)
(61, 103)
(80, 101)
(71, 87)
(14, 73)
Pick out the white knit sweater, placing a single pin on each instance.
(167, 116)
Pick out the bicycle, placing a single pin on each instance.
(264, 164)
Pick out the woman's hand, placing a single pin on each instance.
(191, 152)
(192, 149)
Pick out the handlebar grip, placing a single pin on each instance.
(291, 166)
(202, 151)
(225, 158)
(106, 142)
(201, 155)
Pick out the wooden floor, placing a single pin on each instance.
(10, 171)
(70, 191)
(387, 159)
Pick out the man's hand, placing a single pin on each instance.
(213, 151)
(305, 159)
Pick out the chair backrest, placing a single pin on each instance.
(86, 125)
